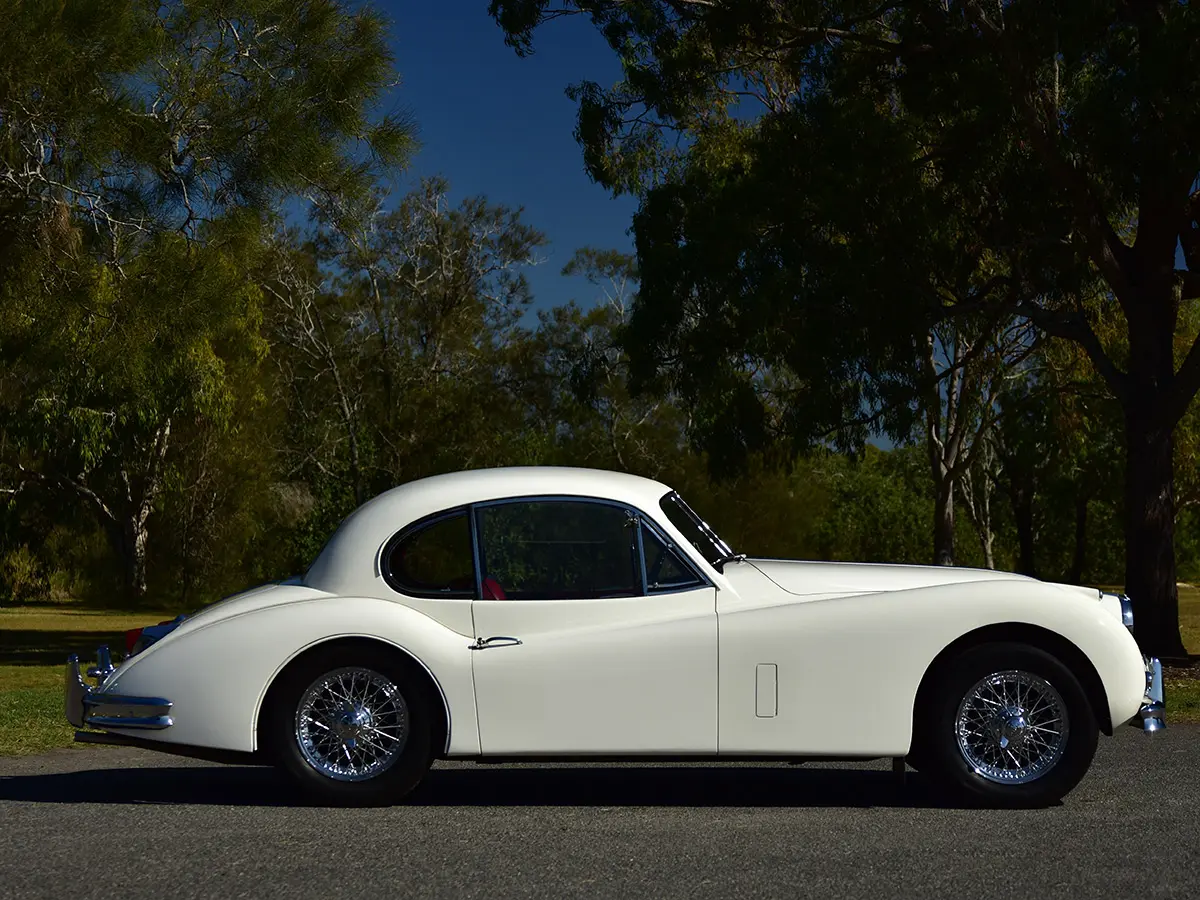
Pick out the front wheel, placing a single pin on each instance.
(351, 726)
(1008, 725)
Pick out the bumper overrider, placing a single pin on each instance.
(1153, 713)
(88, 706)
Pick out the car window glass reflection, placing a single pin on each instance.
(434, 559)
(665, 571)
(558, 549)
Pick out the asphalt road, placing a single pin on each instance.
(109, 822)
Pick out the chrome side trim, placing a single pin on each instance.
(1154, 709)
(89, 706)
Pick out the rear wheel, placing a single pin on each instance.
(1008, 725)
(351, 726)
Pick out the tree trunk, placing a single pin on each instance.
(1075, 576)
(1152, 315)
(977, 484)
(135, 536)
(987, 540)
(943, 523)
(1150, 531)
(128, 536)
(1022, 506)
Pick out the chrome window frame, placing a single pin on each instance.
(478, 557)
(675, 550)
(723, 549)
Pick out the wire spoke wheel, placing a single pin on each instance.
(352, 724)
(1012, 727)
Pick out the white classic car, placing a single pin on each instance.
(554, 613)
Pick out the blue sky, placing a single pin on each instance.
(495, 124)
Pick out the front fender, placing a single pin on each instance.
(849, 666)
(216, 672)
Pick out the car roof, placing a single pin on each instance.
(479, 485)
(353, 549)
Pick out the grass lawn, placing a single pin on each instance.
(1182, 686)
(36, 640)
(1189, 617)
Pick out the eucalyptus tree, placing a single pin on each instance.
(142, 144)
(1068, 132)
(102, 370)
(603, 423)
(399, 340)
(968, 367)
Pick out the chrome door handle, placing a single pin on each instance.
(498, 641)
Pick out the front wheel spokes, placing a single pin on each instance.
(1003, 727)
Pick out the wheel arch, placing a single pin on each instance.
(1024, 633)
(440, 739)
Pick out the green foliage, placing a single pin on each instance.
(22, 577)
(143, 115)
(878, 508)
(144, 150)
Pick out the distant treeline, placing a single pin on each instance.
(202, 420)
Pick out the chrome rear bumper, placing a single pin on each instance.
(1154, 711)
(88, 706)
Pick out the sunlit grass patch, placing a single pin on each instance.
(31, 710)
(1189, 617)
(35, 642)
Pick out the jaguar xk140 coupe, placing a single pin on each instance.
(553, 613)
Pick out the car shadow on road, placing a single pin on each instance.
(490, 786)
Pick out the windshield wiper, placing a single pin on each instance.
(719, 565)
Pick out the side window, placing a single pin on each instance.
(433, 560)
(665, 570)
(558, 549)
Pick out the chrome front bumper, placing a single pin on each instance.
(89, 706)
(1154, 711)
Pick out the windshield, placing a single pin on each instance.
(695, 529)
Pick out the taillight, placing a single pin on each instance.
(138, 639)
(132, 636)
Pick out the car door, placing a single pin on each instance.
(579, 651)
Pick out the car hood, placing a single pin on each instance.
(804, 578)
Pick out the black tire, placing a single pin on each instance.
(405, 770)
(938, 749)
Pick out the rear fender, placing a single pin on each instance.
(217, 673)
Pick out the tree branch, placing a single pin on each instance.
(1186, 384)
(63, 481)
(1074, 326)
(1110, 254)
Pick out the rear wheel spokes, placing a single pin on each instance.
(352, 724)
